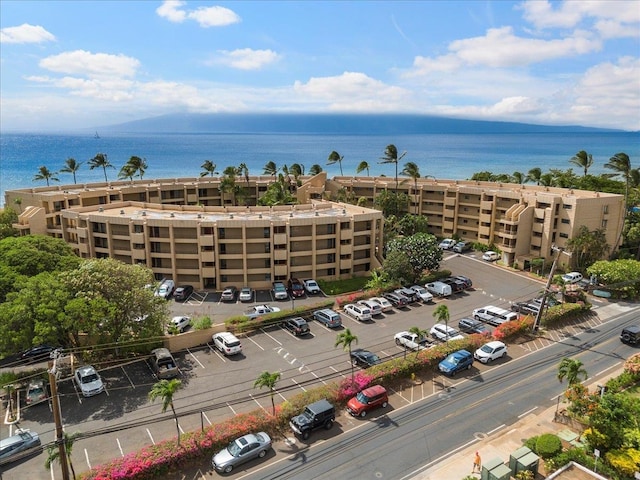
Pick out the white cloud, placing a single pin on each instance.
(568, 14)
(215, 16)
(93, 65)
(26, 33)
(246, 58)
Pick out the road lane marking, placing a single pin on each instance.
(195, 358)
(526, 413)
(150, 436)
(120, 447)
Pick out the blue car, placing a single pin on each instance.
(456, 361)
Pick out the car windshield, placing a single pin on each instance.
(371, 357)
(362, 398)
(279, 287)
(92, 377)
(234, 448)
(233, 344)
(453, 359)
(36, 391)
(487, 349)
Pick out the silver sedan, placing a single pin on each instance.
(241, 450)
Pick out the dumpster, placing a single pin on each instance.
(495, 469)
(523, 459)
(488, 466)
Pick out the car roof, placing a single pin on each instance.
(374, 390)
(86, 369)
(494, 344)
(632, 328)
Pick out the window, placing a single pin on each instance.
(267, 248)
(223, 264)
(331, 271)
(346, 256)
(154, 231)
(346, 241)
(605, 209)
(266, 233)
(345, 271)
(566, 206)
(566, 221)
(223, 278)
(604, 224)
(138, 246)
(223, 248)
(156, 247)
(280, 229)
(206, 230)
(564, 235)
(221, 233)
(100, 228)
(267, 263)
(138, 228)
(345, 225)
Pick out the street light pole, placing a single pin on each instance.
(57, 415)
(543, 302)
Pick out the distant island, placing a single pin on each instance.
(334, 124)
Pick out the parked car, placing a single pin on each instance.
(490, 351)
(328, 317)
(37, 353)
(22, 441)
(630, 335)
(385, 305)
(359, 312)
(163, 365)
(241, 450)
(246, 294)
(229, 294)
(447, 244)
(368, 399)
(466, 280)
(455, 362)
(572, 277)
(471, 325)
(462, 247)
(165, 290)
(396, 300)
(364, 358)
(320, 414)
(88, 381)
(439, 289)
(182, 293)
(280, 291)
(227, 343)
(423, 293)
(258, 310)
(374, 307)
(311, 286)
(455, 284)
(181, 322)
(444, 333)
(297, 326)
(296, 287)
(411, 295)
(36, 392)
(490, 256)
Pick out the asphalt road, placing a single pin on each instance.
(215, 387)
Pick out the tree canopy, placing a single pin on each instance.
(421, 250)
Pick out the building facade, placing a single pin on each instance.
(190, 231)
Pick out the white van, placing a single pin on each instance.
(494, 315)
(439, 289)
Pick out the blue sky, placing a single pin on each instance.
(75, 64)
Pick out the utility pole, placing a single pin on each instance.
(543, 303)
(57, 415)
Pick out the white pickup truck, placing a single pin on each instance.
(412, 341)
(258, 310)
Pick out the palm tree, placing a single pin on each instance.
(270, 168)
(534, 175)
(53, 452)
(420, 335)
(315, 169)
(335, 157)
(412, 170)
(441, 314)
(127, 171)
(583, 160)
(165, 390)
(268, 380)
(345, 339)
(621, 164)
(519, 178)
(391, 156)
(363, 165)
(208, 168)
(572, 370)
(45, 174)
(100, 161)
(71, 166)
(297, 170)
(139, 165)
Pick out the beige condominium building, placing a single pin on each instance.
(188, 230)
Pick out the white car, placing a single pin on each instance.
(385, 305)
(490, 256)
(88, 381)
(375, 308)
(311, 286)
(166, 289)
(181, 322)
(227, 343)
(490, 351)
(280, 291)
(443, 332)
(359, 312)
(246, 294)
(423, 293)
(447, 244)
(572, 277)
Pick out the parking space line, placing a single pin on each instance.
(86, 455)
(180, 428)
(215, 350)
(270, 336)
(206, 418)
(128, 378)
(120, 447)
(256, 343)
(195, 358)
(52, 476)
(252, 398)
(150, 436)
(299, 386)
(332, 368)
(234, 412)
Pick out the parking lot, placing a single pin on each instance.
(122, 419)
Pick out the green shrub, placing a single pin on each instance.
(202, 323)
(548, 445)
(530, 443)
(562, 312)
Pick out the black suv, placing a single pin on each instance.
(455, 284)
(320, 414)
(630, 334)
(297, 326)
(471, 325)
(398, 301)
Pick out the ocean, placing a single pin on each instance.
(172, 155)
